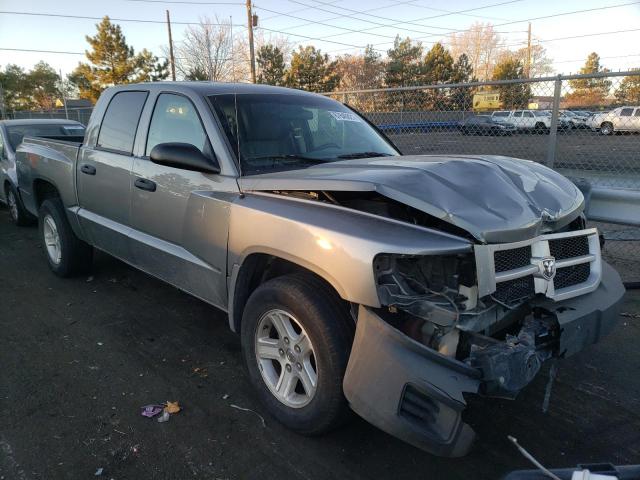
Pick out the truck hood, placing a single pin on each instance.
(493, 198)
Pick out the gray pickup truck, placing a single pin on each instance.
(356, 277)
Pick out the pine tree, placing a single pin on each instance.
(113, 62)
(311, 70)
(628, 92)
(43, 83)
(271, 66)
(512, 95)
(589, 91)
(404, 67)
(15, 88)
(462, 97)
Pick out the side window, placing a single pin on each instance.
(2, 146)
(637, 112)
(626, 112)
(517, 114)
(120, 122)
(175, 120)
(528, 114)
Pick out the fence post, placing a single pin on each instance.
(553, 129)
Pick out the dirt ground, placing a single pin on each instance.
(79, 357)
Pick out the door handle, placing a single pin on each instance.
(145, 184)
(88, 169)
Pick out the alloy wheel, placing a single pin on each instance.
(286, 358)
(52, 239)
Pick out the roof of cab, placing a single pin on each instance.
(213, 88)
(38, 121)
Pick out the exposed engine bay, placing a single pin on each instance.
(435, 301)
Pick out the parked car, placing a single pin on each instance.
(485, 125)
(11, 134)
(622, 119)
(526, 120)
(355, 276)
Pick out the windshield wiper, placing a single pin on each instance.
(364, 155)
(289, 156)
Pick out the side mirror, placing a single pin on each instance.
(184, 156)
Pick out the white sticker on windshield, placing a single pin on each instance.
(345, 116)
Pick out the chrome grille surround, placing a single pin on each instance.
(488, 278)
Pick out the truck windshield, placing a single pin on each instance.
(270, 132)
(57, 131)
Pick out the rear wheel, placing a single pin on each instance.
(17, 212)
(66, 253)
(296, 338)
(606, 128)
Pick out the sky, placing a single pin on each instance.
(335, 26)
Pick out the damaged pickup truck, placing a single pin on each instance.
(356, 277)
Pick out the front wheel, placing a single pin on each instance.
(66, 253)
(296, 338)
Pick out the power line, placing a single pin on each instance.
(601, 58)
(546, 17)
(351, 30)
(40, 51)
(307, 8)
(354, 14)
(133, 20)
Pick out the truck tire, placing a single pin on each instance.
(296, 339)
(66, 253)
(540, 128)
(17, 212)
(606, 128)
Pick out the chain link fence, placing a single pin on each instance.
(585, 126)
(81, 115)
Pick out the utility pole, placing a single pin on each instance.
(62, 93)
(172, 58)
(529, 52)
(251, 52)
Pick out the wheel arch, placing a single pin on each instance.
(259, 267)
(42, 190)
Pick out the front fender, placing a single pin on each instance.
(337, 243)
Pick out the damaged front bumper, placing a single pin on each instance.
(416, 394)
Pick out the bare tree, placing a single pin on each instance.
(205, 53)
(482, 45)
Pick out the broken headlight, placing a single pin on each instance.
(435, 288)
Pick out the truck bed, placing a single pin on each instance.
(50, 159)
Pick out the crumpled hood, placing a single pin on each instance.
(495, 199)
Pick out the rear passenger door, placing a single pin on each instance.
(104, 175)
(179, 217)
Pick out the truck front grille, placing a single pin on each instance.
(559, 265)
(512, 291)
(570, 276)
(509, 259)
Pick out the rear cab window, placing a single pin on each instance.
(120, 122)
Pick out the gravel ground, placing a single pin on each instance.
(80, 356)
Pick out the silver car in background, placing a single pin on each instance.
(11, 134)
(621, 119)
